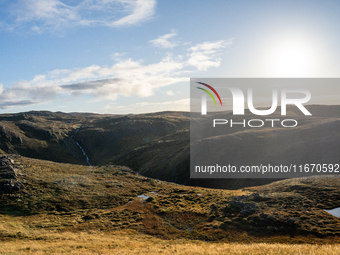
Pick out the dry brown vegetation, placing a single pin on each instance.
(66, 208)
(132, 242)
(27, 240)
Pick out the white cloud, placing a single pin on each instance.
(10, 104)
(163, 41)
(55, 14)
(170, 93)
(204, 55)
(141, 10)
(118, 55)
(45, 9)
(125, 78)
(209, 46)
(146, 107)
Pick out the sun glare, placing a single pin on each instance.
(291, 58)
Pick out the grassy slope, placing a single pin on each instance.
(132, 242)
(70, 198)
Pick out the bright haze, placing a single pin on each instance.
(137, 56)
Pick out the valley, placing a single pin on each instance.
(123, 181)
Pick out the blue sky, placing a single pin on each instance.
(136, 56)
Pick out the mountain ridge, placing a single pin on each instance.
(157, 144)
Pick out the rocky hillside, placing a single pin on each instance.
(157, 144)
(43, 135)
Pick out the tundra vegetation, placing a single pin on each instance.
(53, 208)
(135, 197)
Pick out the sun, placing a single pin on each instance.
(291, 57)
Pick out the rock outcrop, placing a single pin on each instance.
(9, 182)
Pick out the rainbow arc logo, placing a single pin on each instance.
(204, 98)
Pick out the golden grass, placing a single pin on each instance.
(95, 210)
(131, 242)
(26, 240)
(22, 239)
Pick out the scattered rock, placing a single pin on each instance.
(240, 205)
(150, 199)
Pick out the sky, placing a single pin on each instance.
(137, 56)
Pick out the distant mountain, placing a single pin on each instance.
(157, 144)
(104, 138)
(316, 139)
